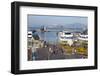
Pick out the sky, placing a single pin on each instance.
(45, 20)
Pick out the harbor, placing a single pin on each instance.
(54, 37)
(58, 45)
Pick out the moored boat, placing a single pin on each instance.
(66, 36)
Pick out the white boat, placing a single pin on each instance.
(83, 37)
(29, 34)
(66, 36)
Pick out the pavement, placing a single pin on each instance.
(53, 52)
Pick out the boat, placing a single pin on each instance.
(29, 34)
(66, 37)
(83, 37)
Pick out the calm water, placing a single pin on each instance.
(51, 37)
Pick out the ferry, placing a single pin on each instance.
(83, 37)
(66, 36)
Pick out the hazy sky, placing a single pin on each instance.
(38, 20)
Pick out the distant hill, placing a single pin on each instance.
(75, 25)
(59, 26)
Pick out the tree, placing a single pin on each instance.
(35, 36)
(33, 31)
